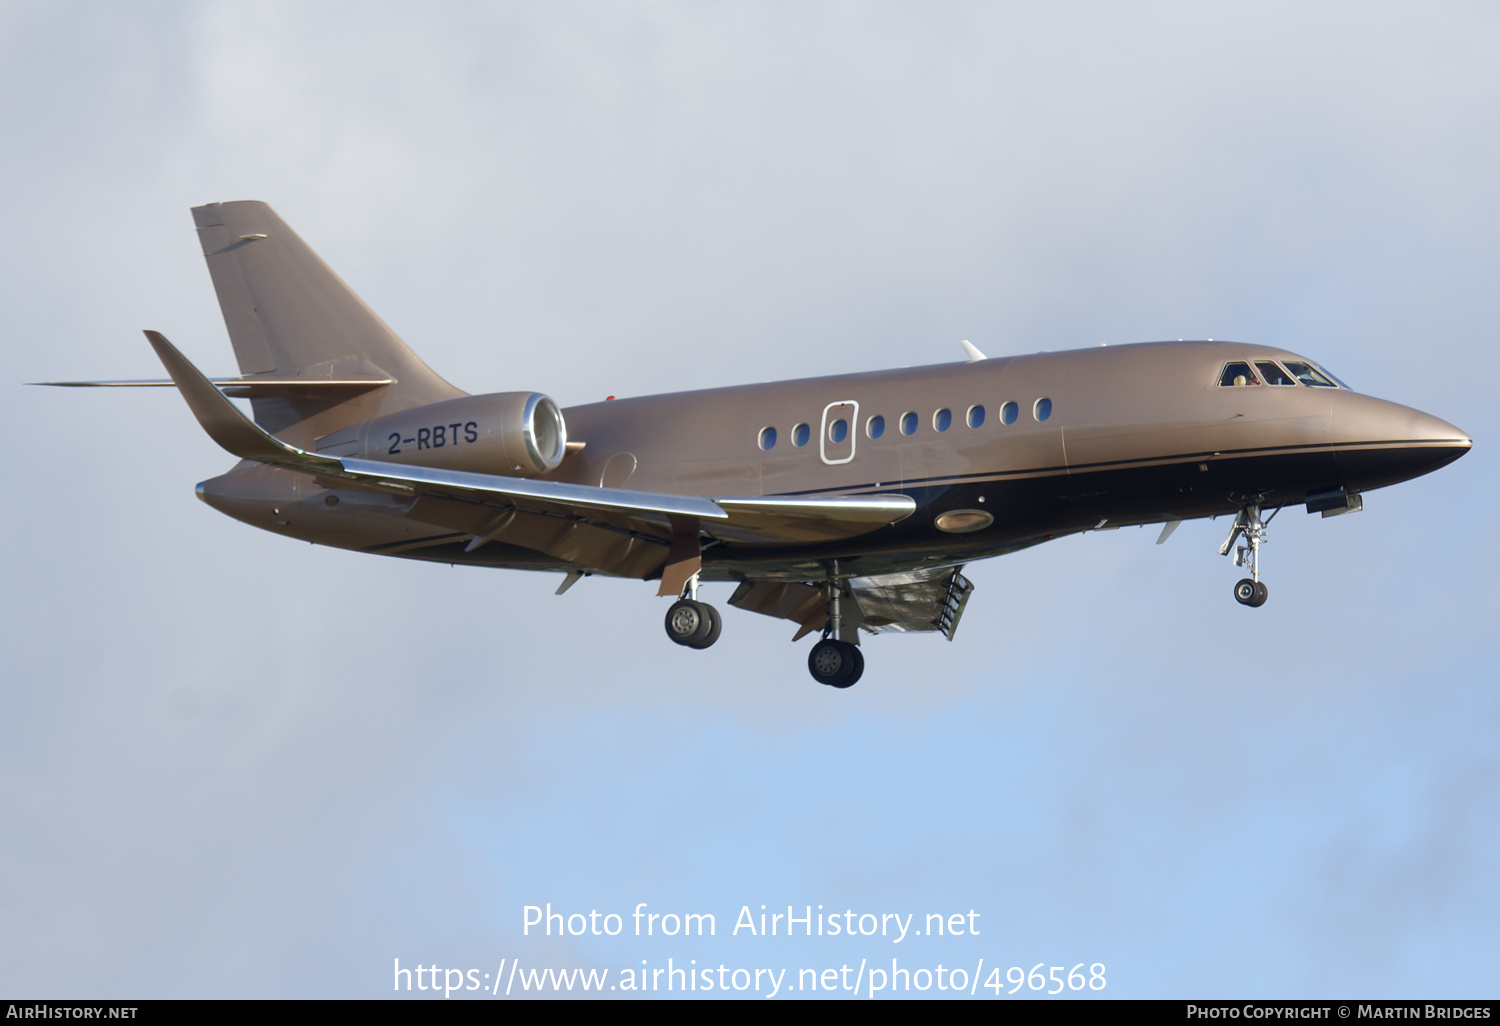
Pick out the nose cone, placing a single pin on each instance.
(1380, 443)
(1434, 429)
(1363, 418)
(1417, 426)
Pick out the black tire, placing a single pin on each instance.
(1246, 591)
(715, 623)
(835, 663)
(858, 670)
(687, 623)
(1261, 594)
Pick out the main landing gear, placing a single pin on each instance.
(1250, 591)
(836, 663)
(690, 622)
(833, 661)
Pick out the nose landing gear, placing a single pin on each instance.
(1248, 524)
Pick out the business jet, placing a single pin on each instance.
(847, 505)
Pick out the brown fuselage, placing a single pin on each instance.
(1136, 434)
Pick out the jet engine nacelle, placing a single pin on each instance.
(518, 434)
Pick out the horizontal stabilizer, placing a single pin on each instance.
(244, 388)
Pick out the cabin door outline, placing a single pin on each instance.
(831, 452)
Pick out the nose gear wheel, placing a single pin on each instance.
(1251, 593)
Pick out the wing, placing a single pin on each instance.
(767, 520)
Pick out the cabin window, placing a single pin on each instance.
(942, 420)
(1237, 374)
(1273, 374)
(1042, 409)
(768, 438)
(838, 430)
(976, 416)
(800, 434)
(908, 423)
(1308, 374)
(1009, 412)
(875, 426)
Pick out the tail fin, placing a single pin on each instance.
(290, 316)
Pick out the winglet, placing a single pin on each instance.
(974, 354)
(225, 424)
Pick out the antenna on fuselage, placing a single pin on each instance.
(974, 354)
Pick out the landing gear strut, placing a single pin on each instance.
(1250, 591)
(690, 622)
(833, 661)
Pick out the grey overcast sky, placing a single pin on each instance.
(234, 766)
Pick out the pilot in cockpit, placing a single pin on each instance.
(1238, 374)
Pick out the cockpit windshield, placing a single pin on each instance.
(1309, 375)
(1273, 373)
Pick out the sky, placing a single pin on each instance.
(231, 766)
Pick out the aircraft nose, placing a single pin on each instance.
(1434, 429)
(1369, 420)
(1381, 442)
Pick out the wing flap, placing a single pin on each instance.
(918, 602)
(925, 600)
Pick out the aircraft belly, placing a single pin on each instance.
(1028, 510)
